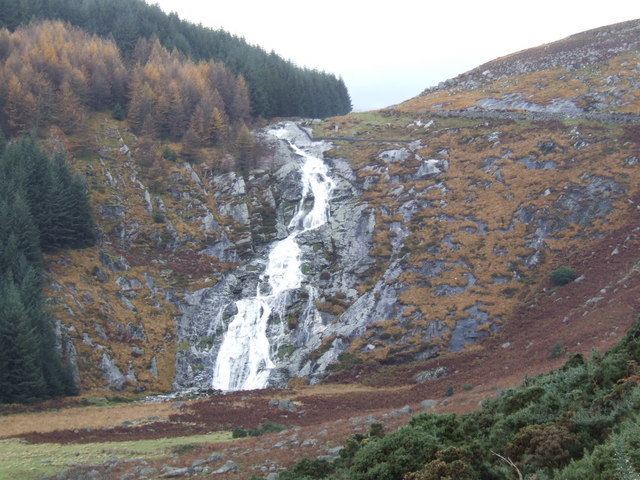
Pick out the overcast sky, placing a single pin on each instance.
(390, 50)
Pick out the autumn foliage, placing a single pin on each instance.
(52, 74)
(172, 95)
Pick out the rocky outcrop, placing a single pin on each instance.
(334, 259)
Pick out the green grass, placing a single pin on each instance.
(24, 461)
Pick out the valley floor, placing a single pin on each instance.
(151, 439)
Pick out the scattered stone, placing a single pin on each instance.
(229, 466)
(100, 275)
(393, 156)
(432, 374)
(214, 457)
(282, 404)
(428, 404)
(137, 351)
(400, 412)
(111, 373)
(432, 168)
(547, 146)
(592, 301)
(335, 451)
(175, 472)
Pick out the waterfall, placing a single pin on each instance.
(243, 361)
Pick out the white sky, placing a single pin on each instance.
(390, 50)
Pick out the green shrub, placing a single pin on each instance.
(239, 433)
(563, 275)
(169, 154)
(556, 351)
(158, 217)
(308, 469)
(267, 427)
(118, 112)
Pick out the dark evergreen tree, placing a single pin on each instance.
(42, 205)
(21, 379)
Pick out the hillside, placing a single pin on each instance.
(590, 72)
(433, 280)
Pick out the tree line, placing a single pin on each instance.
(277, 87)
(43, 208)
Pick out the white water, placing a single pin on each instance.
(243, 361)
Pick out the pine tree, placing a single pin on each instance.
(220, 128)
(245, 146)
(21, 378)
(70, 112)
(25, 230)
(190, 145)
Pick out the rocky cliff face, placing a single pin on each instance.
(334, 258)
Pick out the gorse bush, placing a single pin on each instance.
(267, 427)
(43, 207)
(580, 422)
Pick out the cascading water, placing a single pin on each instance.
(243, 361)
